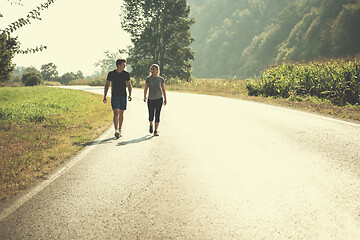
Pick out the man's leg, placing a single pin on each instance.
(116, 118)
(116, 123)
(123, 103)
(121, 118)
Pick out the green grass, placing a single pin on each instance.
(209, 86)
(41, 127)
(99, 81)
(35, 104)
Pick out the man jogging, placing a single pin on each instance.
(119, 79)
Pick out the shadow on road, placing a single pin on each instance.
(97, 142)
(138, 140)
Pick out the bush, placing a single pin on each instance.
(334, 80)
(67, 78)
(32, 79)
(98, 82)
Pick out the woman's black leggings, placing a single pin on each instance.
(154, 107)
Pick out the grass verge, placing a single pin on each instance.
(42, 127)
(99, 81)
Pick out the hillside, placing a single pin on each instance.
(239, 38)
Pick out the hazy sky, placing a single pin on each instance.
(76, 32)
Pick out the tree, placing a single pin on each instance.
(79, 75)
(34, 14)
(49, 72)
(31, 69)
(31, 78)
(9, 46)
(67, 77)
(246, 36)
(346, 40)
(107, 64)
(160, 33)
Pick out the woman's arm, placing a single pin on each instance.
(145, 91)
(164, 92)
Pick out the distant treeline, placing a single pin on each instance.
(239, 38)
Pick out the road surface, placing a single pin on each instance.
(220, 169)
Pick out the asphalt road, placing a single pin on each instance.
(220, 169)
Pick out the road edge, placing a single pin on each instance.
(8, 206)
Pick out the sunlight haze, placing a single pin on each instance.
(76, 33)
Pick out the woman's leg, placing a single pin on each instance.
(158, 106)
(151, 109)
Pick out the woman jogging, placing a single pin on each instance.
(157, 96)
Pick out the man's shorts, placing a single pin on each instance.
(118, 102)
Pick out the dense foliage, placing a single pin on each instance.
(49, 72)
(239, 38)
(336, 80)
(31, 79)
(160, 33)
(8, 48)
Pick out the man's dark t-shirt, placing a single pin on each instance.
(118, 82)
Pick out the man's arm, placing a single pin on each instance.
(130, 89)
(107, 84)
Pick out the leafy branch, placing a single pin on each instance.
(32, 50)
(34, 14)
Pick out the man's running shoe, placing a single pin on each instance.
(117, 134)
(151, 129)
(156, 133)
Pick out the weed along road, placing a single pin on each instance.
(220, 169)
